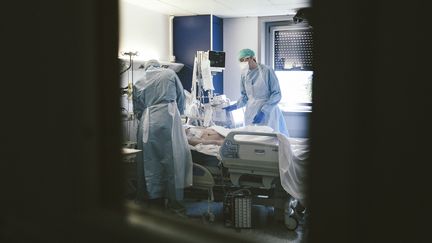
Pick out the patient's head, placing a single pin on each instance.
(151, 63)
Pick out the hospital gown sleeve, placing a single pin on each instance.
(275, 92)
(180, 95)
(243, 98)
(137, 103)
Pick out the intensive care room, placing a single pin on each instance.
(216, 97)
(209, 121)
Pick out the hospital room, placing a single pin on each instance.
(216, 98)
(192, 121)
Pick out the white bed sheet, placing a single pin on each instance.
(293, 159)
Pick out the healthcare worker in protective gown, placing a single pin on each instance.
(260, 93)
(158, 100)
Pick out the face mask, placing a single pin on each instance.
(244, 66)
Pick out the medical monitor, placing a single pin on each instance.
(217, 59)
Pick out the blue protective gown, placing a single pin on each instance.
(158, 100)
(260, 91)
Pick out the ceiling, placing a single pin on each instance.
(223, 8)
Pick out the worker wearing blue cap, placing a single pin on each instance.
(260, 93)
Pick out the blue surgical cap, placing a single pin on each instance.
(246, 53)
(151, 63)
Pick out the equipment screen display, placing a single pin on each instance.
(217, 59)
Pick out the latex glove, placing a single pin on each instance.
(230, 107)
(258, 117)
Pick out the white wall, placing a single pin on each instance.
(144, 31)
(238, 33)
(147, 32)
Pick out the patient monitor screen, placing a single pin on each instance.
(217, 59)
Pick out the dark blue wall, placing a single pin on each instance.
(218, 46)
(192, 34)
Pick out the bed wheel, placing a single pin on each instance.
(208, 217)
(290, 222)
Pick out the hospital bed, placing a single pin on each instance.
(248, 156)
(249, 159)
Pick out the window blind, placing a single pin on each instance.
(293, 49)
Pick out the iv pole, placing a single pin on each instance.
(128, 89)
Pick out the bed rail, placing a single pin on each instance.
(249, 157)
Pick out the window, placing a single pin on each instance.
(290, 54)
(296, 88)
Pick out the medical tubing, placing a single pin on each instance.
(237, 192)
(222, 178)
(130, 65)
(127, 111)
(131, 61)
(126, 69)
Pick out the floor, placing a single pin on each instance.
(264, 227)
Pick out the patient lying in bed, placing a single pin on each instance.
(201, 135)
(215, 135)
(209, 140)
(293, 153)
